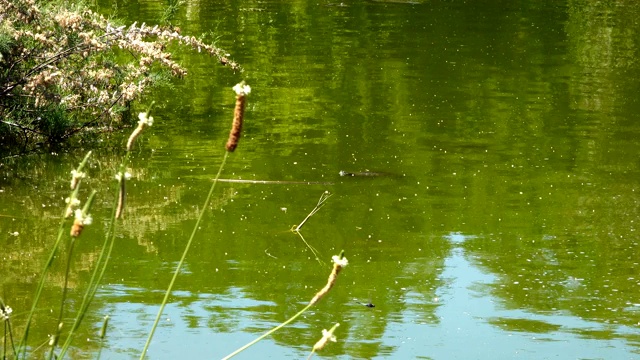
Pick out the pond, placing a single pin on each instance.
(501, 225)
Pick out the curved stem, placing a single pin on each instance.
(267, 333)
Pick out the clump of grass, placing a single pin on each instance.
(145, 120)
(72, 205)
(81, 219)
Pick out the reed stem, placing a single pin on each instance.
(268, 333)
(323, 198)
(184, 255)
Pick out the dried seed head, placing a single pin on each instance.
(327, 335)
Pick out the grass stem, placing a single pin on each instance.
(184, 255)
(268, 333)
(323, 198)
(63, 299)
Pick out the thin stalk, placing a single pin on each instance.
(103, 334)
(275, 182)
(323, 198)
(268, 333)
(22, 346)
(64, 298)
(313, 250)
(184, 255)
(339, 262)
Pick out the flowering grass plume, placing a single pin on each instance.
(143, 120)
(5, 314)
(82, 217)
(238, 115)
(5, 311)
(339, 262)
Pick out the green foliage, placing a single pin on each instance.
(65, 69)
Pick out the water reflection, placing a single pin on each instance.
(467, 310)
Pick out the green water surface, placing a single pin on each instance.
(503, 225)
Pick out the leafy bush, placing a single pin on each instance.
(65, 69)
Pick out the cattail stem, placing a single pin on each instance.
(165, 300)
(56, 336)
(267, 333)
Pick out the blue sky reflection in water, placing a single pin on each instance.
(503, 226)
(474, 325)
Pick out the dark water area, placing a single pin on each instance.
(503, 224)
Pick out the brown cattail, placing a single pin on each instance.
(338, 263)
(238, 115)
